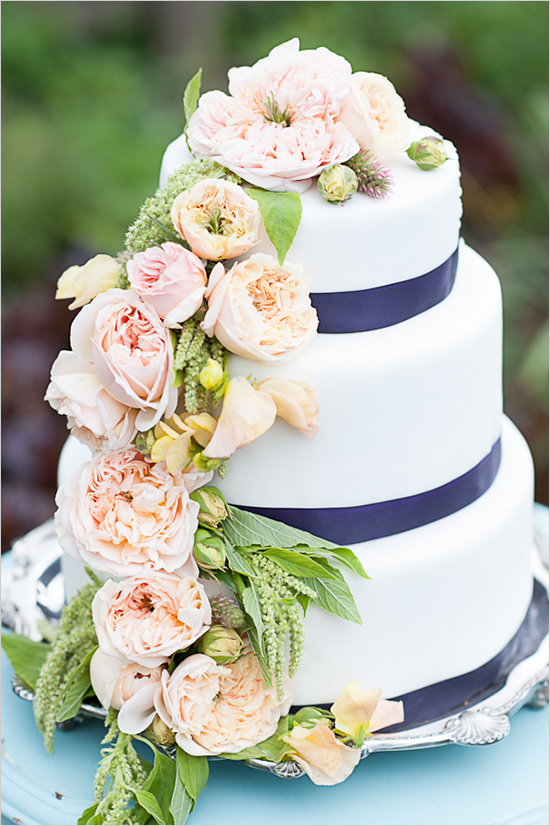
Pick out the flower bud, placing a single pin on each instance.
(224, 645)
(209, 551)
(211, 374)
(145, 441)
(84, 283)
(226, 611)
(213, 508)
(337, 184)
(427, 153)
(160, 734)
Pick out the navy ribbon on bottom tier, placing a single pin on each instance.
(348, 526)
(378, 307)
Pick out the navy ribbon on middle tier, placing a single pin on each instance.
(377, 307)
(348, 526)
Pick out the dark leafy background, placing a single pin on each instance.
(92, 95)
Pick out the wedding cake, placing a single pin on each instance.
(413, 465)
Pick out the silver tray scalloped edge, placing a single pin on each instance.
(31, 592)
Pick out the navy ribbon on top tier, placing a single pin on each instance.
(347, 526)
(372, 309)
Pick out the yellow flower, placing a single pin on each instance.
(173, 439)
(357, 709)
(323, 757)
(84, 283)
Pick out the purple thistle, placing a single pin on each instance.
(227, 612)
(372, 176)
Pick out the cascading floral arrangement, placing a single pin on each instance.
(192, 644)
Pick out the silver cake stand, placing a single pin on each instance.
(33, 590)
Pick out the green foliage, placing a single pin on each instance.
(281, 213)
(27, 657)
(191, 96)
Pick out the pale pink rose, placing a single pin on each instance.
(260, 310)
(296, 403)
(357, 708)
(217, 219)
(375, 115)
(120, 514)
(93, 416)
(170, 279)
(246, 414)
(118, 377)
(278, 125)
(323, 757)
(125, 686)
(145, 619)
(219, 708)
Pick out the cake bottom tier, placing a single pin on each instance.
(443, 599)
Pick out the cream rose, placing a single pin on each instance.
(170, 279)
(217, 219)
(219, 708)
(117, 378)
(246, 414)
(120, 514)
(260, 310)
(83, 283)
(296, 403)
(375, 115)
(145, 619)
(323, 757)
(125, 686)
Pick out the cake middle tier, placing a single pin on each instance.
(404, 410)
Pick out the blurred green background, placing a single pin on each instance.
(92, 96)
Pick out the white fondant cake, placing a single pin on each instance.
(404, 410)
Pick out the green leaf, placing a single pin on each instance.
(274, 748)
(76, 689)
(160, 784)
(87, 815)
(26, 656)
(150, 804)
(281, 212)
(193, 771)
(247, 529)
(251, 603)
(309, 713)
(297, 564)
(304, 601)
(182, 803)
(191, 97)
(257, 647)
(348, 558)
(334, 596)
(237, 561)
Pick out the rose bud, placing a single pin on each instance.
(224, 645)
(211, 374)
(337, 184)
(213, 508)
(209, 551)
(159, 732)
(427, 153)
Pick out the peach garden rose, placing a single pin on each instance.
(260, 310)
(170, 279)
(217, 219)
(146, 618)
(120, 514)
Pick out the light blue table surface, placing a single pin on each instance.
(506, 782)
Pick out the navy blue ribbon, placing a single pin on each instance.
(347, 526)
(458, 693)
(361, 310)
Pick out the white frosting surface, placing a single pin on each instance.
(403, 410)
(442, 600)
(369, 242)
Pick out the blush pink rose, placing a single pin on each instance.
(170, 279)
(117, 379)
(375, 115)
(145, 619)
(217, 219)
(278, 126)
(219, 708)
(125, 686)
(120, 514)
(260, 310)
(246, 414)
